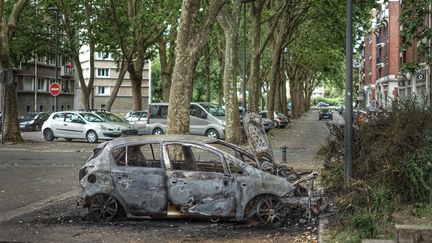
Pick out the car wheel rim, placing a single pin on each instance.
(157, 132)
(103, 207)
(48, 135)
(212, 134)
(271, 211)
(91, 137)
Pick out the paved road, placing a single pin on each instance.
(36, 170)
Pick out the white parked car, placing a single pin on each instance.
(79, 125)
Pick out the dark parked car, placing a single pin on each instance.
(322, 104)
(325, 114)
(33, 121)
(190, 176)
(279, 119)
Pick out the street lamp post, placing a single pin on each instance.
(244, 56)
(55, 9)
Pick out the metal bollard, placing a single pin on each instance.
(284, 152)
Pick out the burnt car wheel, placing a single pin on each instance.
(92, 137)
(212, 133)
(271, 211)
(48, 134)
(103, 207)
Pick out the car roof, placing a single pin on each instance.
(161, 138)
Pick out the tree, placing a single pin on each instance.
(166, 47)
(8, 27)
(138, 25)
(229, 19)
(195, 24)
(416, 18)
(78, 16)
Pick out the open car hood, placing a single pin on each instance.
(257, 138)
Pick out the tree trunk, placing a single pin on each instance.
(254, 83)
(283, 91)
(167, 62)
(221, 72)
(192, 37)
(119, 82)
(273, 80)
(207, 60)
(7, 30)
(230, 22)
(136, 82)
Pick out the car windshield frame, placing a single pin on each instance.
(90, 117)
(109, 117)
(214, 110)
(29, 116)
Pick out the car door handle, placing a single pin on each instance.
(64, 124)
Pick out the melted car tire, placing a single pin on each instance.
(271, 211)
(92, 137)
(103, 207)
(48, 134)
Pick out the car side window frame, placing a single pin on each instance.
(168, 164)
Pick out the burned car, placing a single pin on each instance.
(192, 176)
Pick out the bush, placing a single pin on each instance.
(392, 161)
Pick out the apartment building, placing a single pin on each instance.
(34, 78)
(382, 82)
(106, 74)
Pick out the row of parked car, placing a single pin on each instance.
(206, 119)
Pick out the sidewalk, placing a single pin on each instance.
(303, 139)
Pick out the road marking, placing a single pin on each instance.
(37, 205)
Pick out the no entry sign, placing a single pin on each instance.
(55, 89)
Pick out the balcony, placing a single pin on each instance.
(67, 70)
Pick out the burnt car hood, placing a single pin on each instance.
(257, 138)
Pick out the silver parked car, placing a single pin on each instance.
(279, 119)
(206, 119)
(191, 176)
(126, 128)
(79, 124)
(139, 120)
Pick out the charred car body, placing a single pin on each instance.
(190, 176)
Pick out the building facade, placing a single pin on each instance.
(382, 82)
(34, 79)
(106, 75)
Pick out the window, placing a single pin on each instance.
(41, 84)
(196, 111)
(28, 108)
(159, 111)
(141, 155)
(103, 91)
(59, 117)
(72, 117)
(41, 108)
(193, 158)
(102, 55)
(102, 106)
(103, 72)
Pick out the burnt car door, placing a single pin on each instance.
(139, 178)
(198, 183)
